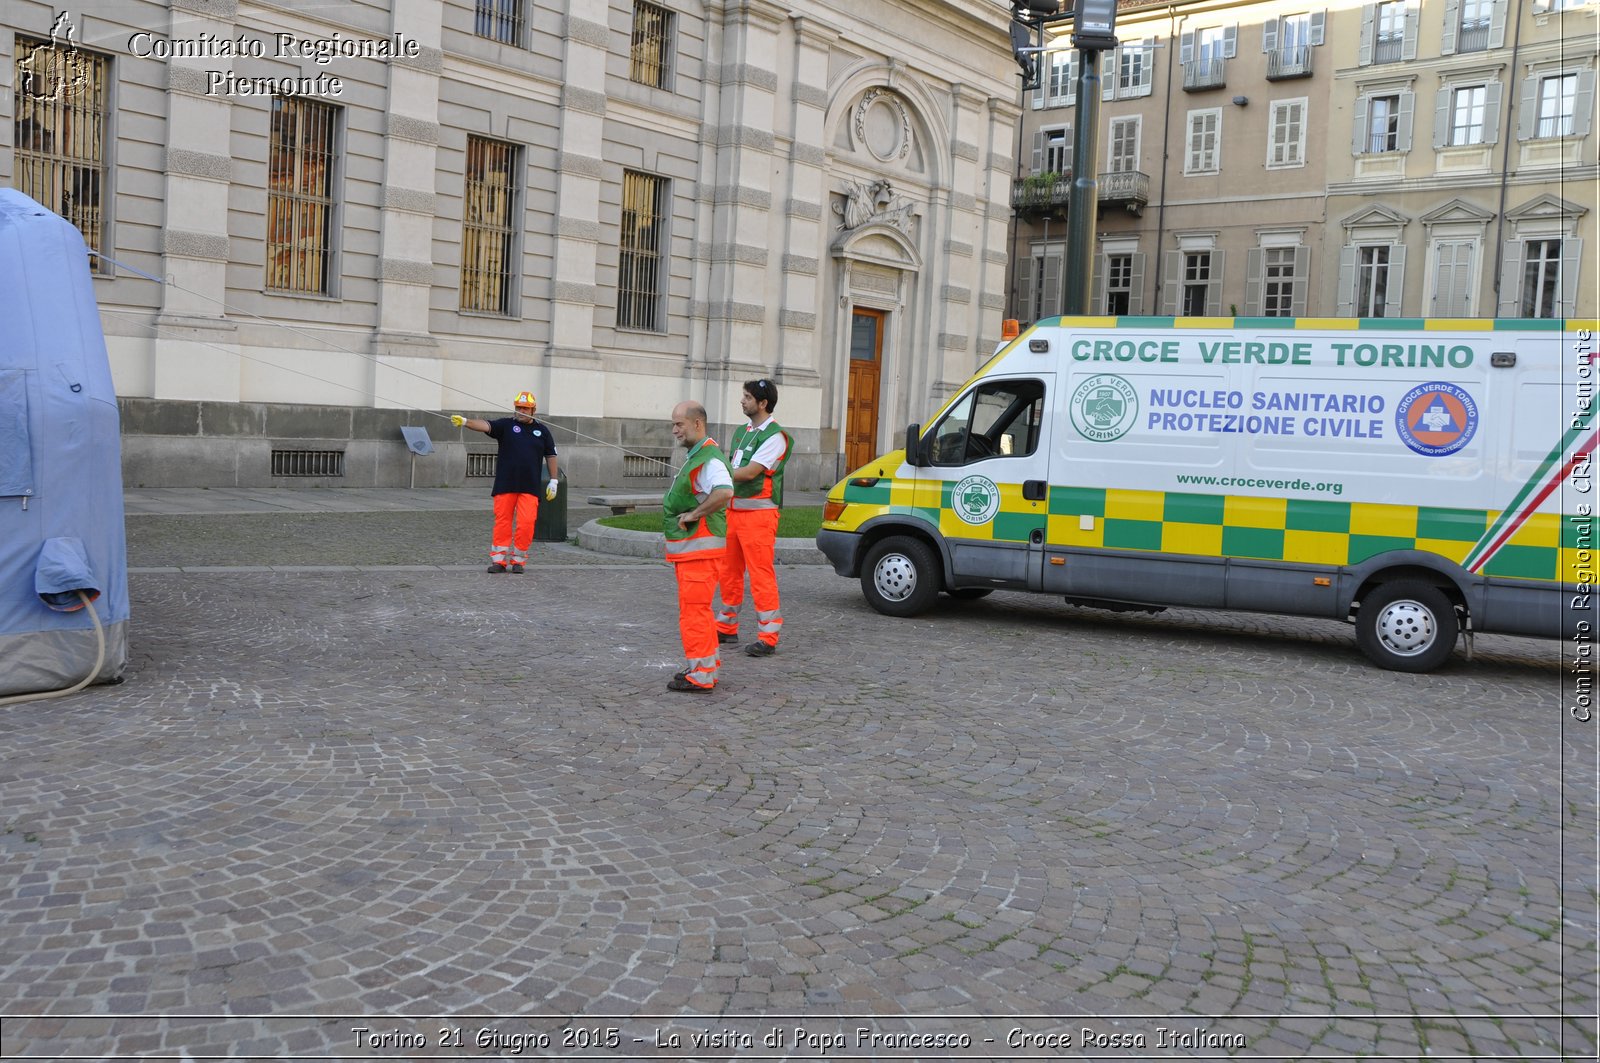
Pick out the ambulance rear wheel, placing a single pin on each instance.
(901, 576)
(1407, 626)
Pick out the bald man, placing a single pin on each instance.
(695, 524)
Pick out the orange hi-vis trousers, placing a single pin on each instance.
(697, 583)
(523, 510)
(752, 542)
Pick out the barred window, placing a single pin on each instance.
(650, 59)
(300, 162)
(499, 20)
(489, 200)
(1557, 98)
(644, 221)
(60, 108)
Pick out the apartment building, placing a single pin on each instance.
(1409, 158)
(317, 223)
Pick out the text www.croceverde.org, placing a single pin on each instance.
(1333, 488)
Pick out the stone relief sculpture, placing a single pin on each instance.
(874, 202)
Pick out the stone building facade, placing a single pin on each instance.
(1405, 158)
(323, 223)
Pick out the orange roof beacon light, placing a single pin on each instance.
(1010, 329)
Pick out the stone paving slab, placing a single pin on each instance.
(403, 801)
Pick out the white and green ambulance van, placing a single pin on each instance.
(1420, 478)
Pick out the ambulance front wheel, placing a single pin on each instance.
(901, 576)
(1407, 626)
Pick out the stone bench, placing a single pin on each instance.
(623, 504)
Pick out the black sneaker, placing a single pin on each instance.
(759, 649)
(682, 683)
(496, 567)
(724, 637)
(516, 569)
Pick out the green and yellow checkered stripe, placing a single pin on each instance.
(1301, 530)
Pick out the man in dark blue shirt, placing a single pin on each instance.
(523, 441)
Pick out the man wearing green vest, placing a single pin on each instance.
(696, 529)
(760, 450)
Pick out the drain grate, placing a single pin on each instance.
(481, 465)
(645, 466)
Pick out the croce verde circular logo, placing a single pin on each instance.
(1104, 408)
(975, 500)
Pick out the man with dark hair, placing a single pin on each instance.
(695, 528)
(760, 450)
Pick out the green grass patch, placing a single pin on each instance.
(795, 522)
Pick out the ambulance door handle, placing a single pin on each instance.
(1034, 490)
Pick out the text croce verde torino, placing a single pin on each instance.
(1276, 352)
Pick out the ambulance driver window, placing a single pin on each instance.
(997, 419)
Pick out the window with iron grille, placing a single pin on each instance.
(499, 20)
(1383, 124)
(650, 60)
(60, 114)
(300, 163)
(1477, 18)
(1389, 44)
(644, 223)
(488, 215)
(1557, 97)
(308, 463)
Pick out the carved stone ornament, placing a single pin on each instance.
(882, 125)
(874, 203)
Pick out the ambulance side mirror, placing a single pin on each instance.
(914, 456)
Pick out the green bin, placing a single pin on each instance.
(551, 526)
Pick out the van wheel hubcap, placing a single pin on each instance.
(895, 577)
(1406, 628)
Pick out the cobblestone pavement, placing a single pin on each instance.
(408, 801)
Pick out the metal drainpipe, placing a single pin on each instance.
(1509, 135)
(1174, 36)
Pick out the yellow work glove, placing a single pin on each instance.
(550, 490)
(457, 420)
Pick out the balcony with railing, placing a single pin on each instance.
(1202, 74)
(1473, 36)
(1128, 187)
(1042, 193)
(1286, 63)
(1388, 48)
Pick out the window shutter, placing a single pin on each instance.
(1186, 48)
(1066, 152)
(1039, 90)
(1136, 284)
(1253, 261)
(1511, 281)
(1369, 29)
(1171, 281)
(1492, 96)
(1108, 73)
(1528, 115)
(1024, 304)
(1319, 22)
(1214, 286)
(1346, 304)
(1441, 116)
(1583, 103)
(1408, 102)
(1497, 24)
(1570, 259)
(1050, 286)
(1452, 23)
(1038, 152)
(1097, 301)
(1394, 291)
(1147, 70)
(1302, 281)
(1358, 143)
(1072, 79)
(1269, 35)
(1408, 44)
(1230, 41)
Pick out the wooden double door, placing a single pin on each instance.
(861, 394)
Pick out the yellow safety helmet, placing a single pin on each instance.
(525, 398)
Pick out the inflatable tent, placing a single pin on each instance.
(63, 552)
